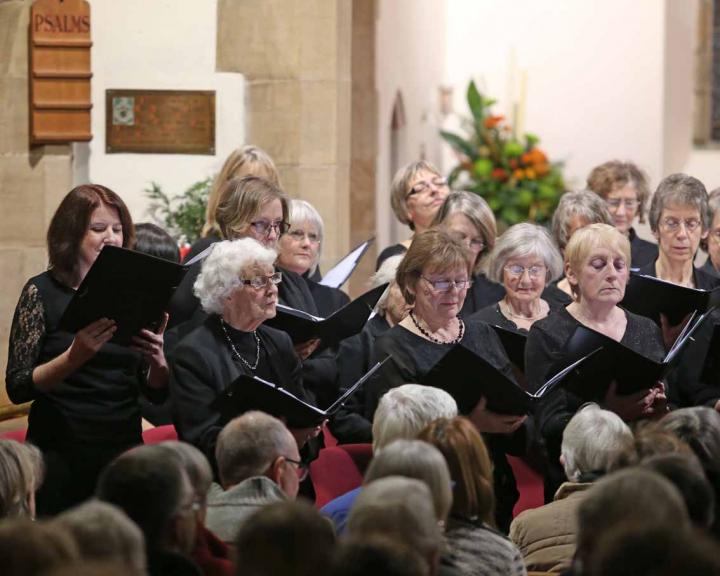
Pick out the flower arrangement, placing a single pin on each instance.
(512, 174)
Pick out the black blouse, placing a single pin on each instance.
(642, 252)
(386, 253)
(96, 403)
(482, 293)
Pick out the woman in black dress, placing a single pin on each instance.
(624, 188)
(434, 277)
(238, 289)
(85, 389)
(468, 216)
(680, 219)
(596, 266)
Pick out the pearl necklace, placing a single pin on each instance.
(461, 331)
(253, 366)
(508, 312)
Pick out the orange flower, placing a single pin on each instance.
(492, 121)
(530, 174)
(526, 158)
(519, 174)
(542, 169)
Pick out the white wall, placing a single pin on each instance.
(158, 44)
(410, 57)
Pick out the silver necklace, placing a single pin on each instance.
(253, 366)
(509, 311)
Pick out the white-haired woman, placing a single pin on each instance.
(468, 217)
(238, 289)
(299, 250)
(524, 261)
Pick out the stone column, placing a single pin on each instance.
(296, 58)
(32, 180)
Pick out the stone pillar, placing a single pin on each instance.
(296, 58)
(32, 180)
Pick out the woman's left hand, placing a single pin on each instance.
(657, 401)
(305, 349)
(302, 435)
(150, 344)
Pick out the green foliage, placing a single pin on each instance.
(513, 174)
(183, 216)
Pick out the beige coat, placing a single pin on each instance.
(546, 535)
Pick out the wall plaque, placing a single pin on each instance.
(160, 121)
(60, 71)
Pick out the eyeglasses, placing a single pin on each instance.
(301, 468)
(299, 236)
(425, 186)
(447, 285)
(629, 203)
(535, 271)
(715, 234)
(263, 227)
(671, 224)
(259, 282)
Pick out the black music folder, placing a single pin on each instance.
(345, 322)
(253, 393)
(338, 274)
(650, 297)
(129, 287)
(467, 377)
(514, 343)
(614, 361)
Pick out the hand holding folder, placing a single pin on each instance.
(253, 393)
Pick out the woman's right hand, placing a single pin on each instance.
(628, 406)
(89, 340)
(491, 422)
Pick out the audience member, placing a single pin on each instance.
(377, 556)
(21, 473)
(32, 548)
(651, 439)
(473, 546)
(401, 414)
(104, 533)
(151, 487)
(399, 509)
(259, 464)
(285, 538)
(595, 442)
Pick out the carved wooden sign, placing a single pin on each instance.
(60, 71)
(160, 121)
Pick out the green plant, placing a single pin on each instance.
(512, 174)
(182, 216)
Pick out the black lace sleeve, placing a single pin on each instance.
(26, 338)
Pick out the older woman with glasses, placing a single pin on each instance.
(468, 217)
(712, 243)
(680, 219)
(416, 194)
(524, 260)
(238, 289)
(624, 188)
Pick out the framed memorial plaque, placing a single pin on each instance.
(160, 121)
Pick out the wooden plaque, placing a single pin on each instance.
(60, 71)
(160, 121)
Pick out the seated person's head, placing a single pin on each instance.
(197, 469)
(634, 494)
(699, 427)
(400, 509)
(150, 486)
(403, 411)
(257, 444)
(651, 439)
(21, 473)
(419, 460)
(687, 475)
(377, 556)
(595, 442)
(288, 538)
(469, 463)
(104, 533)
(33, 548)
(153, 240)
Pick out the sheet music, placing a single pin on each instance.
(338, 274)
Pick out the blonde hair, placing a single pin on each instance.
(245, 161)
(21, 473)
(242, 200)
(400, 188)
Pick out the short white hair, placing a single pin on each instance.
(404, 411)
(420, 460)
(595, 441)
(385, 275)
(302, 211)
(221, 270)
(523, 240)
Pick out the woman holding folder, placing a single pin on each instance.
(597, 261)
(85, 388)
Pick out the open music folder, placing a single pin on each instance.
(339, 274)
(129, 287)
(253, 393)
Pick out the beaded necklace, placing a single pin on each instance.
(461, 331)
(253, 366)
